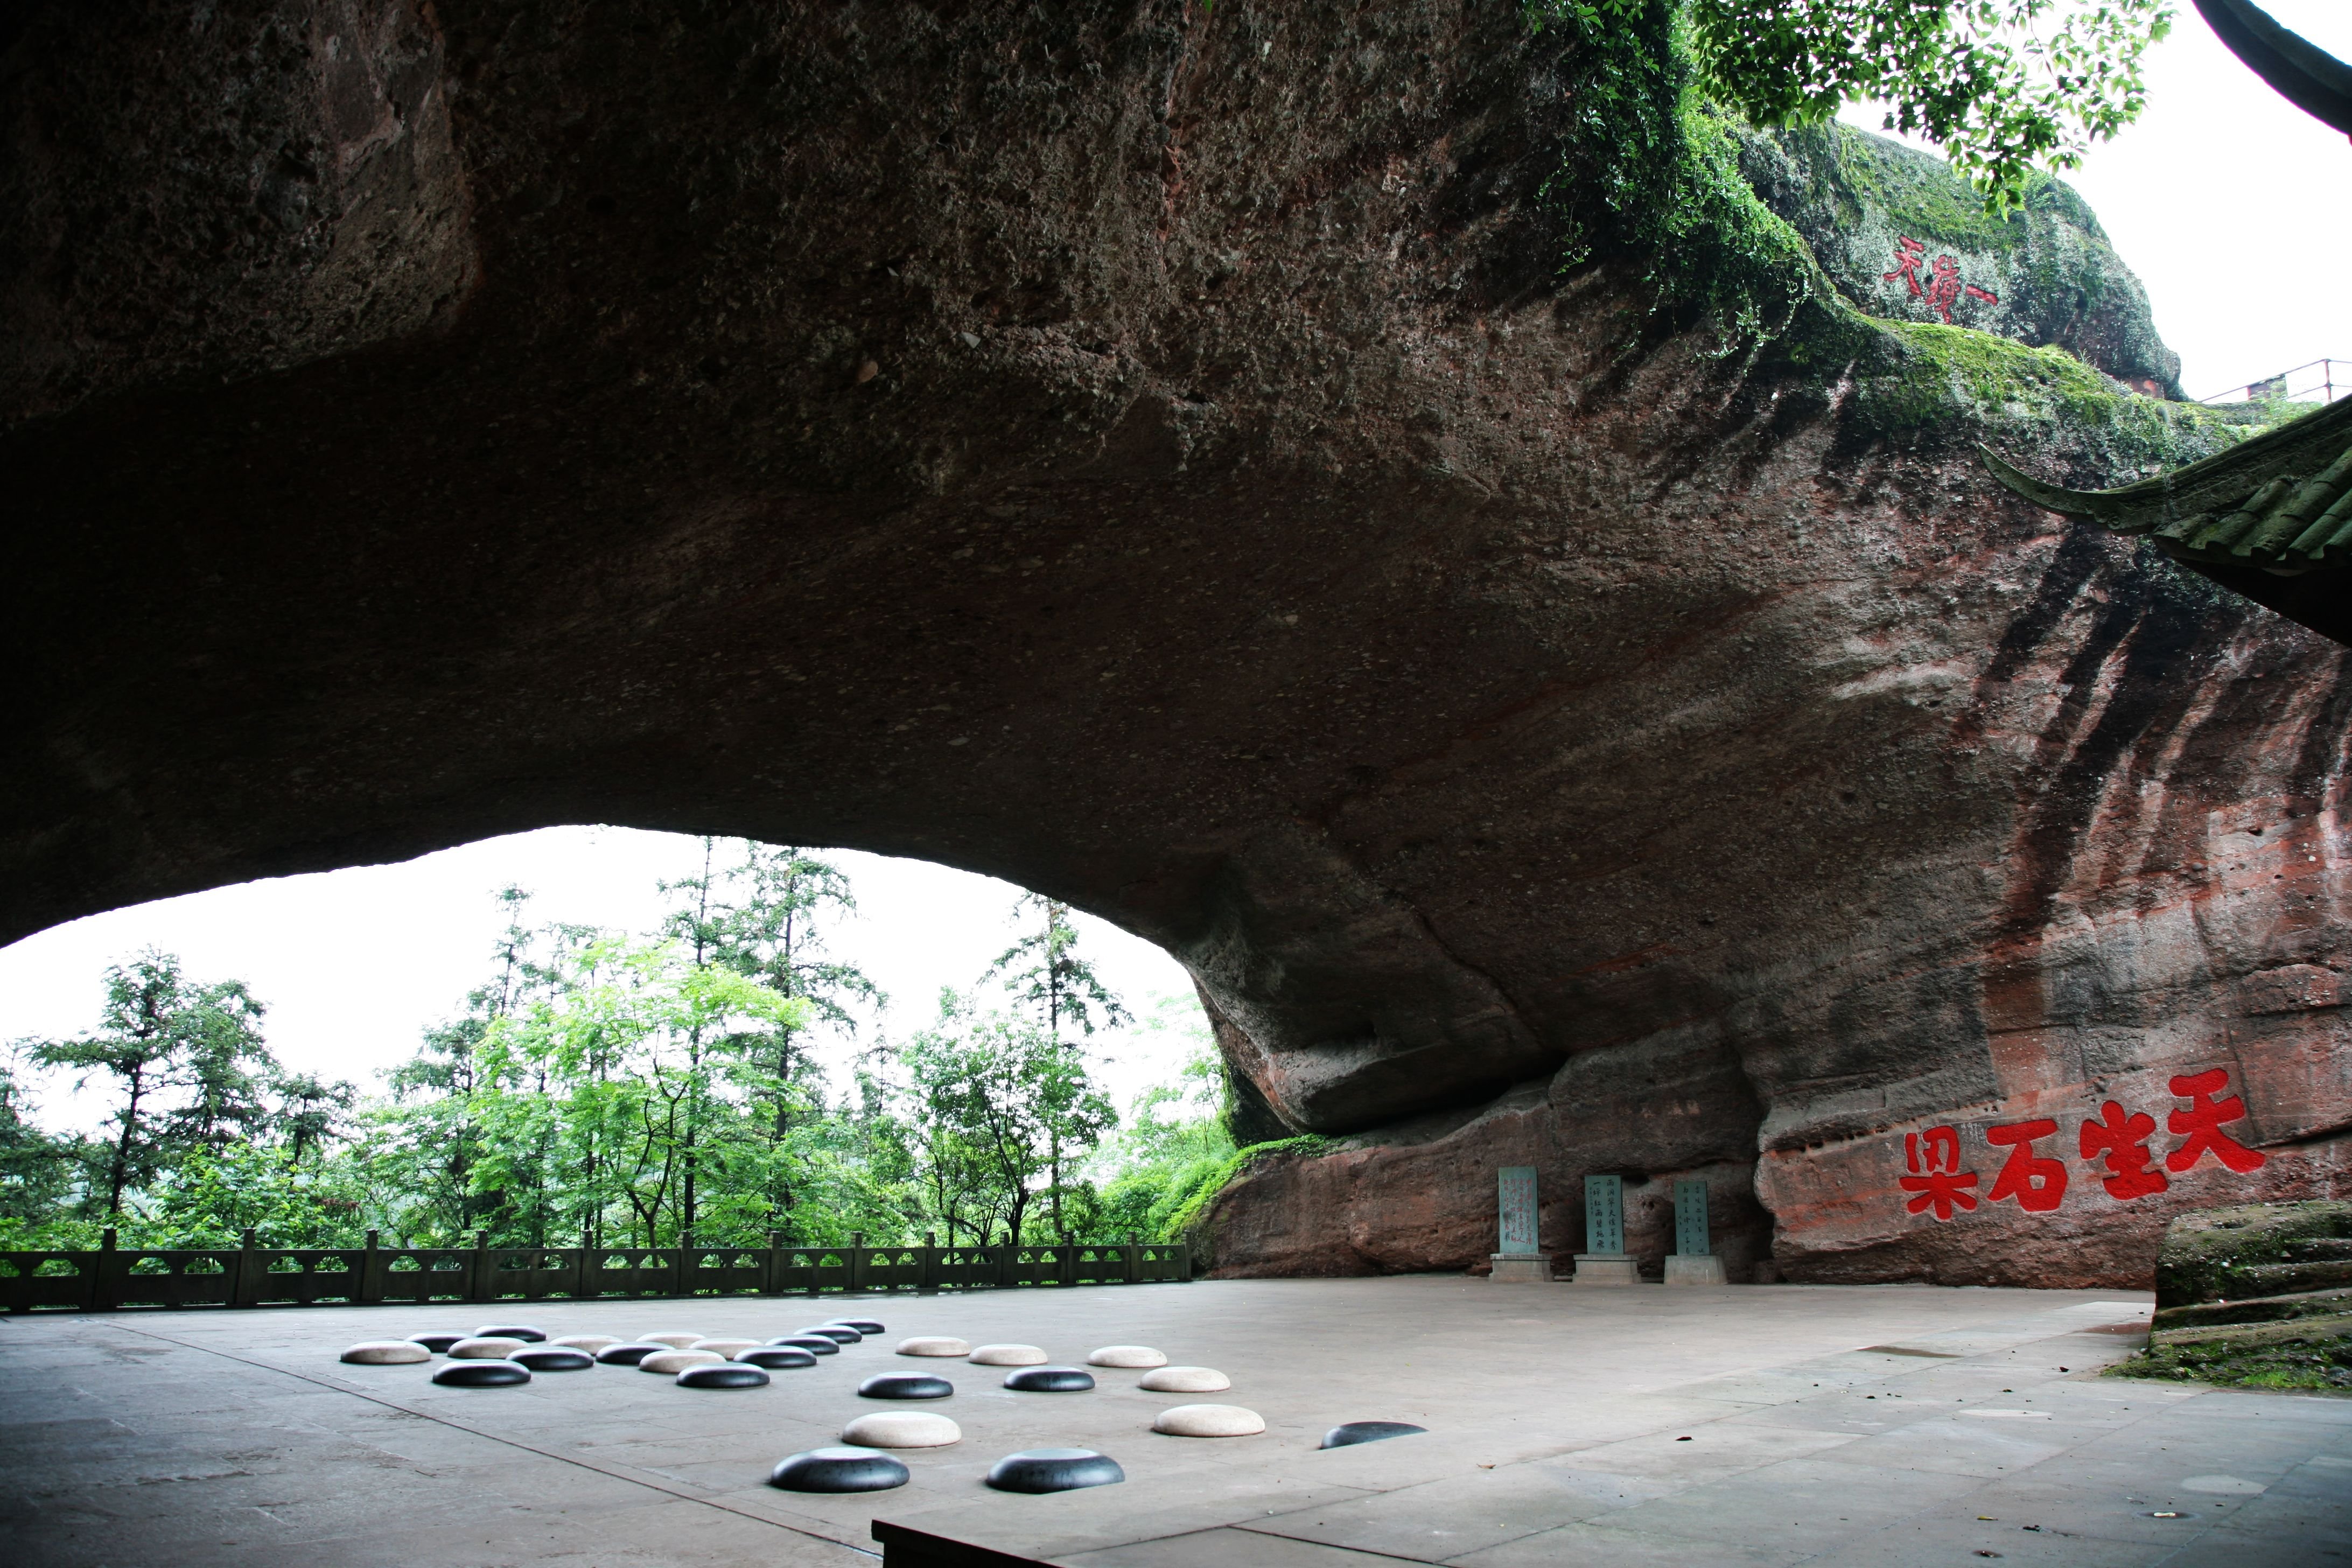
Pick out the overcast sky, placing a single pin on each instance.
(2224, 199)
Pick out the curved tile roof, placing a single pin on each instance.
(2281, 502)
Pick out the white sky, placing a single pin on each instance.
(2222, 198)
(352, 964)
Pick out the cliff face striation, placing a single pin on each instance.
(1558, 677)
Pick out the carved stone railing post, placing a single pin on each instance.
(682, 1274)
(928, 1283)
(481, 1285)
(103, 1284)
(371, 1286)
(772, 1270)
(245, 1283)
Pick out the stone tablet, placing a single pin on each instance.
(905, 1385)
(1355, 1432)
(1183, 1380)
(437, 1343)
(1053, 1471)
(592, 1344)
(552, 1358)
(482, 1374)
(933, 1344)
(866, 1326)
(675, 1341)
(484, 1350)
(522, 1331)
(1209, 1421)
(629, 1354)
(387, 1353)
(1127, 1355)
(721, 1346)
(724, 1375)
(815, 1344)
(1047, 1380)
(839, 1333)
(672, 1362)
(838, 1471)
(902, 1430)
(1007, 1355)
(775, 1357)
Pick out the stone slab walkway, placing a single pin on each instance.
(1765, 1425)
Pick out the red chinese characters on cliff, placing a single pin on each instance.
(1943, 288)
(2117, 1142)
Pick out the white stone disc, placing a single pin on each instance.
(386, 1353)
(592, 1344)
(723, 1347)
(1008, 1355)
(1127, 1355)
(678, 1342)
(1209, 1421)
(484, 1350)
(675, 1361)
(933, 1344)
(902, 1430)
(1184, 1380)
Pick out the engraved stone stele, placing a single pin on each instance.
(552, 1358)
(839, 1333)
(592, 1344)
(675, 1341)
(437, 1343)
(629, 1353)
(1007, 1355)
(838, 1471)
(1692, 1262)
(724, 1347)
(1517, 1259)
(933, 1344)
(479, 1349)
(1209, 1421)
(723, 1374)
(1053, 1471)
(905, 1385)
(1604, 1260)
(902, 1430)
(1048, 1379)
(1127, 1355)
(386, 1353)
(1350, 1434)
(1184, 1380)
(482, 1374)
(866, 1326)
(775, 1357)
(522, 1331)
(671, 1362)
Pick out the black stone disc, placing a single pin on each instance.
(815, 1344)
(1053, 1471)
(1050, 1380)
(522, 1331)
(839, 1333)
(905, 1385)
(839, 1470)
(628, 1354)
(437, 1343)
(480, 1375)
(723, 1374)
(866, 1326)
(774, 1357)
(1355, 1432)
(553, 1358)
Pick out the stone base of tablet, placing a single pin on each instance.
(838, 1471)
(1682, 1270)
(1053, 1471)
(1520, 1267)
(1606, 1268)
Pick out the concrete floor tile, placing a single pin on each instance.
(1226, 1548)
(1708, 1453)
(1450, 1518)
(1608, 1545)
(1947, 1544)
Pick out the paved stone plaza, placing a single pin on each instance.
(1765, 1425)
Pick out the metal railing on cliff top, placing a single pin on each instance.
(2315, 383)
(112, 1279)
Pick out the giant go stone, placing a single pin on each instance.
(838, 1470)
(1038, 1470)
(905, 1385)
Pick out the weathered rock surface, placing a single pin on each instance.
(1159, 459)
(2258, 1294)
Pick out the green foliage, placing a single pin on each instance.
(2318, 1358)
(2002, 85)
